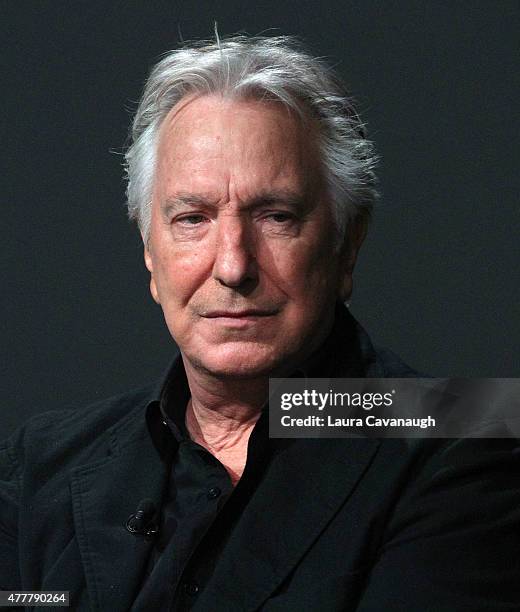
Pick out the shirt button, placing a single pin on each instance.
(191, 588)
(214, 492)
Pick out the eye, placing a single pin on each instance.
(280, 217)
(281, 223)
(190, 219)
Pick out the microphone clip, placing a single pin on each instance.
(142, 522)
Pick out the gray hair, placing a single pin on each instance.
(273, 68)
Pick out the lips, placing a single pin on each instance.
(240, 314)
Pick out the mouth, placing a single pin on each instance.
(239, 320)
(240, 314)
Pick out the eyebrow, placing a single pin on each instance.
(265, 198)
(180, 200)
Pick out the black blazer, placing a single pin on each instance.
(357, 524)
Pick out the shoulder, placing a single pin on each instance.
(357, 356)
(380, 362)
(392, 366)
(53, 436)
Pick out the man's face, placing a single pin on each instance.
(242, 243)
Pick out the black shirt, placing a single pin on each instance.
(200, 506)
(199, 490)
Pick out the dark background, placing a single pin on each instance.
(438, 278)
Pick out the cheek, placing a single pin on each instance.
(310, 273)
(177, 276)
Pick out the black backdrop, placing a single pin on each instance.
(438, 277)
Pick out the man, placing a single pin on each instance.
(251, 178)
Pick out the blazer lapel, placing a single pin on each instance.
(307, 484)
(104, 494)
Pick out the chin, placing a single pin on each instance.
(238, 360)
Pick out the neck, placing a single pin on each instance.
(221, 415)
(233, 400)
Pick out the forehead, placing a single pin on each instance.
(208, 142)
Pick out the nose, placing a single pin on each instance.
(235, 262)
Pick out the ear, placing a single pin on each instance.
(354, 236)
(148, 260)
